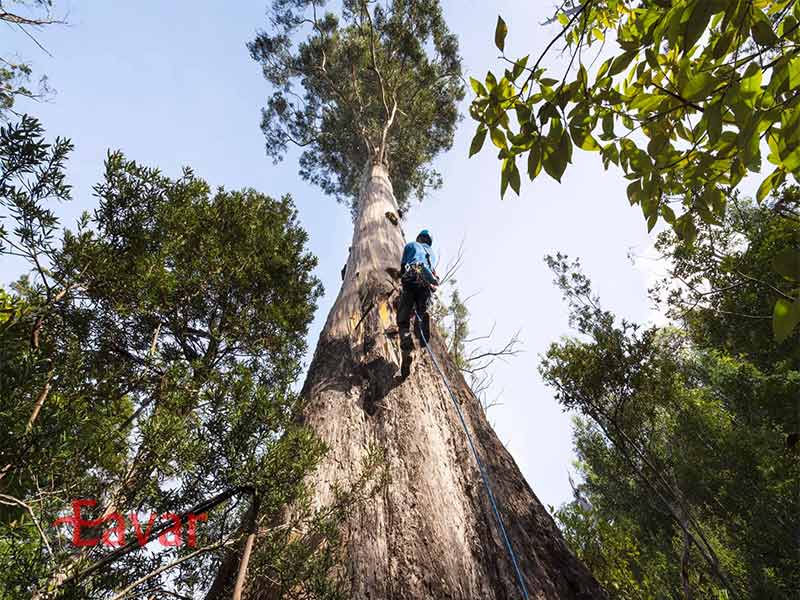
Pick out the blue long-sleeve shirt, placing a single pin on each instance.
(416, 253)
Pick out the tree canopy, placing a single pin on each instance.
(379, 82)
(694, 95)
(147, 363)
(687, 435)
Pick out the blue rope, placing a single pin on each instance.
(481, 468)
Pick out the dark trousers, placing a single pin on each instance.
(416, 295)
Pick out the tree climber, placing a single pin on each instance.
(419, 281)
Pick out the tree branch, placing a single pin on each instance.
(11, 500)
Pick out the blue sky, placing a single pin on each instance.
(171, 85)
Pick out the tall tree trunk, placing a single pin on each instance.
(430, 533)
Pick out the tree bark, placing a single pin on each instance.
(430, 532)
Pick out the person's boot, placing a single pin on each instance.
(407, 348)
(406, 341)
(405, 368)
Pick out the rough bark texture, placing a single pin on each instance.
(431, 532)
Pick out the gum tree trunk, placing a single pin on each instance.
(430, 532)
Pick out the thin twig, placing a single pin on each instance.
(5, 499)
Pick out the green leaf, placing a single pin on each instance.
(714, 116)
(652, 59)
(787, 263)
(762, 30)
(785, 317)
(635, 194)
(504, 178)
(498, 138)
(646, 103)
(500, 32)
(769, 184)
(608, 125)
(750, 86)
(477, 141)
(519, 67)
(787, 24)
(667, 213)
(791, 160)
(535, 161)
(699, 86)
(491, 81)
(477, 87)
(621, 62)
(748, 142)
(697, 23)
(686, 229)
(513, 176)
(523, 113)
(603, 70)
(556, 157)
(610, 154)
(584, 140)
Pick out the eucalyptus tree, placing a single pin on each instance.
(370, 96)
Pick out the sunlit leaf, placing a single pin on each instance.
(500, 32)
(477, 141)
(787, 263)
(785, 317)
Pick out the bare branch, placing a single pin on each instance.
(124, 592)
(16, 19)
(453, 267)
(11, 500)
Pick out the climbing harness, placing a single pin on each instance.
(414, 272)
(481, 468)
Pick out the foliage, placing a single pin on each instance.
(380, 82)
(684, 106)
(452, 316)
(147, 362)
(609, 547)
(684, 440)
(722, 287)
(15, 75)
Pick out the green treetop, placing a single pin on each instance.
(376, 83)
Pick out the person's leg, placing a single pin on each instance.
(406, 306)
(422, 302)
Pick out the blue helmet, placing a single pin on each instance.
(424, 237)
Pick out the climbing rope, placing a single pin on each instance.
(481, 468)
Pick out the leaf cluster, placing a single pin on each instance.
(693, 92)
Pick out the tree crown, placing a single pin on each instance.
(379, 82)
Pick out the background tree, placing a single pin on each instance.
(15, 74)
(687, 435)
(692, 95)
(371, 96)
(147, 362)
